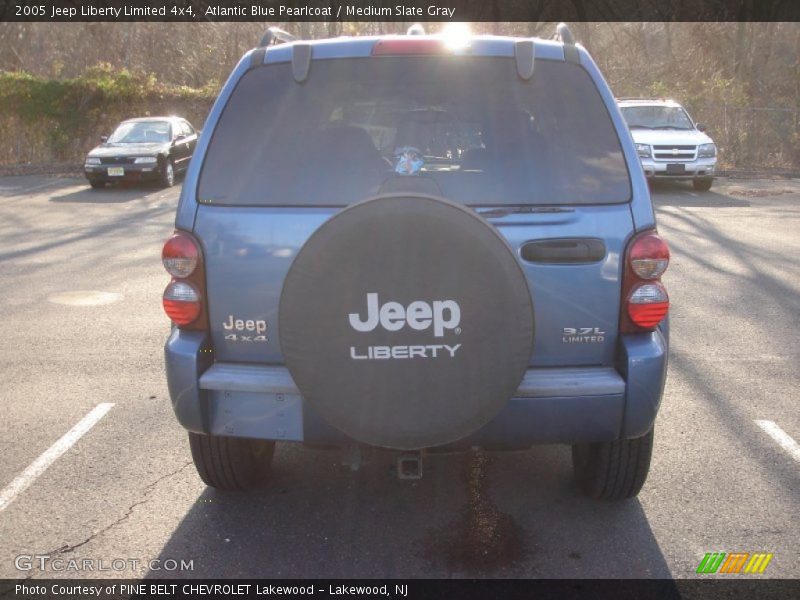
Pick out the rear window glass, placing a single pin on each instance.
(466, 128)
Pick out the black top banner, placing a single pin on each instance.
(399, 10)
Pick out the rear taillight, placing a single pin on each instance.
(645, 302)
(184, 297)
(648, 304)
(179, 255)
(182, 302)
(648, 256)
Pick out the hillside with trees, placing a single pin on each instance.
(64, 84)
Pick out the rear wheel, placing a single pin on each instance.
(613, 470)
(702, 184)
(231, 464)
(96, 184)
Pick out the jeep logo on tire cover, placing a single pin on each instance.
(419, 315)
(406, 321)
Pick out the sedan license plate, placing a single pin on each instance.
(116, 171)
(672, 168)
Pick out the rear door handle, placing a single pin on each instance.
(564, 251)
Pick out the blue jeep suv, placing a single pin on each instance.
(407, 243)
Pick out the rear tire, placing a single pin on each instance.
(231, 464)
(702, 184)
(96, 185)
(612, 470)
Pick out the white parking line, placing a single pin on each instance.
(784, 439)
(39, 466)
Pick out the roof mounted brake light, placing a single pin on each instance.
(456, 36)
(410, 45)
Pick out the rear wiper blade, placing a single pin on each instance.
(517, 210)
(639, 127)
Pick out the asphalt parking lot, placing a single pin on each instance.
(83, 328)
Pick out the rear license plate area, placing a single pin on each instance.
(116, 171)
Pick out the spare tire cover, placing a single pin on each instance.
(406, 321)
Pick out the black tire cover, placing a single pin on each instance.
(432, 377)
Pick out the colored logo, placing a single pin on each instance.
(735, 562)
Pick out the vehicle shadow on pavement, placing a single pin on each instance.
(675, 193)
(512, 514)
(750, 266)
(68, 237)
(115, 194)
(732, 359)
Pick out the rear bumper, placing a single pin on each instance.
(562, 405)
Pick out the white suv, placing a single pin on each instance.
(670, 144)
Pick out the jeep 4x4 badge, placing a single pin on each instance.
(251, 330)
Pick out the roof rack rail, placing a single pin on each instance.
(275, 35)
(416, 29)
(563, 34)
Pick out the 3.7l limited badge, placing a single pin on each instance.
(258, 327)
(583, 335)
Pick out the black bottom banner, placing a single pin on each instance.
(461, 589)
